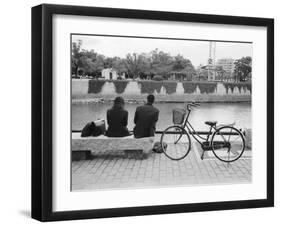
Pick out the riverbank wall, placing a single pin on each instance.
(170, 91)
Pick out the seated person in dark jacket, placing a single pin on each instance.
(145, 119)
(117, 119)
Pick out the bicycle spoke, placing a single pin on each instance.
(223, 137)
(230, 149)
(178, 142)
(229, 134)
(228, 155)
(236, 138)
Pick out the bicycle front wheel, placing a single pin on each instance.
(175, 142)
(228, 144)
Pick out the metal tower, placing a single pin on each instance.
(212, 61)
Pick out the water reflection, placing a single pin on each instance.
(221, 112)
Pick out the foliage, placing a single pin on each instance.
(134, 65)
(249, 86)
(189, 87)
(120, 85)
(95, 86)
(160, 63)
(171, 87)
(221, 73)
(150, 86)
(75, 57)
(158, 78)
(207, 87)
(89, 62)
(240, 86)
(243, 68)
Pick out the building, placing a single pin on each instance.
(109, 73)
(207, 72)
(227, 65)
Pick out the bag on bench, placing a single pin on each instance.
(95, 129)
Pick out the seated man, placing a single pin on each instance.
(145, 119)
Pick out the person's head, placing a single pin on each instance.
(119, 102)
(150, 99)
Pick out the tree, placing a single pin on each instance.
(220, 72)
(76, 55)
(242, 69)
(133, 65)
(184, 66)
(136, 64)
(161, 63)
(119, 65)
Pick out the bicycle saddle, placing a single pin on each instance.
(211, 123)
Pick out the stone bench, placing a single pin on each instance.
(83, 147)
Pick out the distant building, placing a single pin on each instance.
(207, 72)
(227, 65)
(109, 73)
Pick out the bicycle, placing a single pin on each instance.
(227, 142)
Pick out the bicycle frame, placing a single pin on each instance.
(192, 131)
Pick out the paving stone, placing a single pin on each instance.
(108, 171)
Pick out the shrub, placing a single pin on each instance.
(240, 86)
(207, 87)
(158, 78)
(95, 86)
(189, 87)
(150, 86)
(249, 87)
(120, 86)
(171, 87)
(229, 86)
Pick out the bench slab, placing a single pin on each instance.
(104, 143)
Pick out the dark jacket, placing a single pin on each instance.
(117, 120)
(145, 119)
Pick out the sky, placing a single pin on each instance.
(196, 51)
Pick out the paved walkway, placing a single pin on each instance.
(113, 170)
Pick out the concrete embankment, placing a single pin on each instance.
(170, 91)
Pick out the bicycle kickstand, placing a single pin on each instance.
(202, 156)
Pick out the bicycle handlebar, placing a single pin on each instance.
(193, 104)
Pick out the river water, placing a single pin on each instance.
(240, 113)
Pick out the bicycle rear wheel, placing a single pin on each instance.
(228, 144)
(175, 142)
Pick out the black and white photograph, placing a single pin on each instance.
(154, 112)
(139, 112)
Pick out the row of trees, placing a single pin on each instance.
(145, 65)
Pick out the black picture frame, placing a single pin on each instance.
(42, 107)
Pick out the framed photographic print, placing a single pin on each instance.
(146, 112)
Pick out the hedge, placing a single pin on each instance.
(150, 86)
(240, 86)
(120, 85)
(95, 86)
(207, 87)
(189, 87)
(171, 87)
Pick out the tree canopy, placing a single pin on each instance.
(243, 68)
(134, 65)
